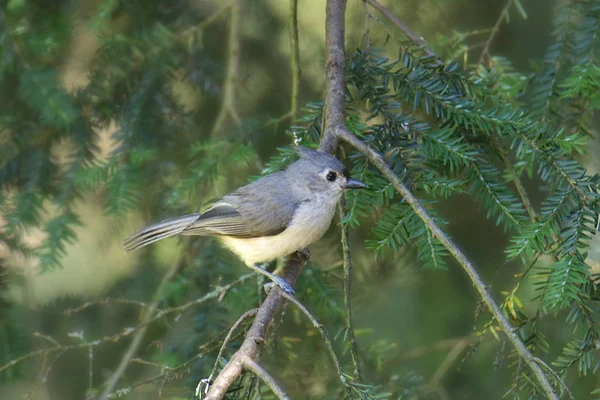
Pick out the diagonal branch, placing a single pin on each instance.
(403, 28)
(254, 367)
(326, 339)
(336, 131)
(252, 346)
(485, 52)
(379, 163)
(248, 314)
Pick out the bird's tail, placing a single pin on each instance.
(158, 231)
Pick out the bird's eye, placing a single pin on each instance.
(331, 176)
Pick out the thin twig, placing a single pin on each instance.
(90, 366)
(47, 338)
(367, 34)
(139, 335)
(58, 348)
(451, 357)
(216, 293)
(439, 345)
(348, 295)
(556, 376)
(485, 52)
(326, 339)
(252, 366)
(277, 121)
(404, 29)
(233, 66)
(242, 318)
(108, 300)
(167, 372)
(212, 18)
(515, 178)
(62, 348)
(294, 57)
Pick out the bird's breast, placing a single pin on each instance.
(310, 222)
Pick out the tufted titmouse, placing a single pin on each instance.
(271, 217)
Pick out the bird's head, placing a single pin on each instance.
(321, 173)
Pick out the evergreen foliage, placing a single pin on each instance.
(444, 130)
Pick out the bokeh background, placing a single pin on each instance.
(418, 325)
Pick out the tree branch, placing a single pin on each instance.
(336, 131)
(516, 179)
(254, 367)
(462, 259)
(252, 346)
(324, 335)
(248, 314)
(336, 63)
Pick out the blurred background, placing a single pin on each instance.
(416, 326)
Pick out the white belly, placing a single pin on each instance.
(309, 224)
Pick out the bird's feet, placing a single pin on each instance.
(286, 287)
(277, 280)
(282, 283)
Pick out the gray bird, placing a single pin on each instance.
(271, 217)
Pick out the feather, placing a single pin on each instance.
(158, 231)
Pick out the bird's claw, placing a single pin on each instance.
(268, 286)
(286, 287)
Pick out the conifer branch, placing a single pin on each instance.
(462, 259)
(336, 131)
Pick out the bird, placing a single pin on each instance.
(274, 216)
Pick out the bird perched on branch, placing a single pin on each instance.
(271, 217)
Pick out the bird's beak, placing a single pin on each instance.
(354, 184)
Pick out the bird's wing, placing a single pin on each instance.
(221, 219)
(262, 208)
